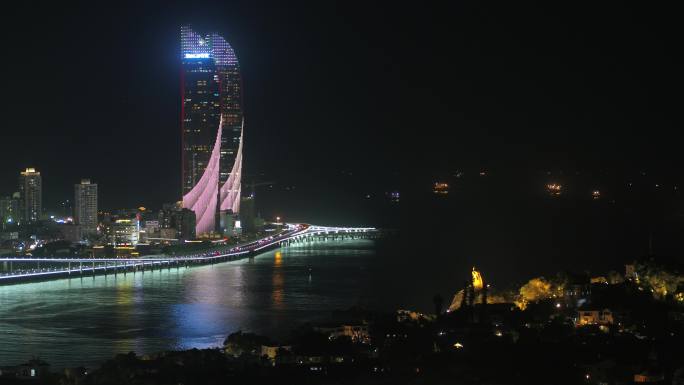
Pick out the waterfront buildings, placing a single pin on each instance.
(554, 189)
(248, 215)
(441, 188)
(230, 224)
(356, 332)
(151, 226)
(9, 236)
(123, 232)
(592, 316)
(9, 210)
(180, 219)
(31, 190)
(211, 126)
(185, 224)
(85, 206)
(71, 232)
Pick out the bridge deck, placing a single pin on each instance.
(92, 266)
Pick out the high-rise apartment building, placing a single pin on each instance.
(9, 211)
(212, 125)
(85, 206)
(31, 190)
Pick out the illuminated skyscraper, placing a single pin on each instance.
(9, 211)
(31, 190)
(85, 206)
(212, 123)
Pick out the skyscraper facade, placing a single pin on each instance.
(212, 125)
(85, 206)
(31, 190)
(9, 211)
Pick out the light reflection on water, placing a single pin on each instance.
(83, 321)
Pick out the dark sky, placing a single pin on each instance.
(378, 88)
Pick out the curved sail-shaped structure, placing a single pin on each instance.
(230, 191)
(203, 197)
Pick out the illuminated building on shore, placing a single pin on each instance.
(593, 316)
(440, 188)
(85, 206)
(31, 190)
(123, 232)
(554, 189)
(211, 125)
(182, 220)
(9, 210)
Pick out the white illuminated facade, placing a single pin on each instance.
(123, 232)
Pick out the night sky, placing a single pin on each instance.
(395, 95)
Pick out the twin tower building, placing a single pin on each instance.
(212, 125)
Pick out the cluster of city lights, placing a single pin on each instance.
(62, 220)
(441, 188)
(554, 189)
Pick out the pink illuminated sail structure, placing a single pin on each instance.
(230, 191)
(202, 199)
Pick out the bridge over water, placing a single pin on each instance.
(22, 269)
